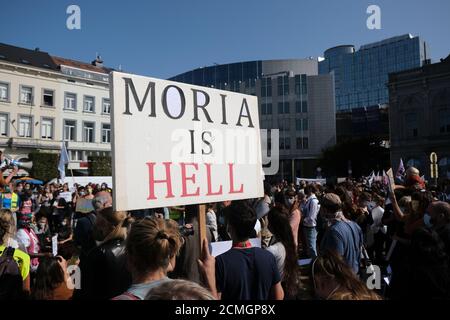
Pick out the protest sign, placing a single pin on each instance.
(220, 247)
(66, 196)
(390, 176)
(55, 245)
(177, 144)
(84, 205)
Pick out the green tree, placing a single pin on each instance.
(100, 166)
(45, 165)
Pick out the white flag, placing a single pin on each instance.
(63, 160)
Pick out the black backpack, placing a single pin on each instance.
(11, 284)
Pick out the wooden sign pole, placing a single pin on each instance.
(201, 225)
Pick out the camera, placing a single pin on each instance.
(186, 230)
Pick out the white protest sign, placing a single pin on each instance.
(55, 245)
(217, 248)
(390, 176)
(177, 144)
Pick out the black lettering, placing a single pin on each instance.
(224, 111)
(164, 102)
(140, 105)
(203, 107)
(207, 142)
(241, 115)
(192, 142)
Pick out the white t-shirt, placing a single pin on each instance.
(24, 241)
(279, 253)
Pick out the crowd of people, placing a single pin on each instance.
(339, 231)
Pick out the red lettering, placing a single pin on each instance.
(152, 181)
(232, 190)
(208, 176)
(184, 179)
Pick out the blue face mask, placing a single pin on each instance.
(427, 220)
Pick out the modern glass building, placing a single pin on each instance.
(292, 97)
(361, 76)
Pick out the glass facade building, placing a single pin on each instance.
(292, 97)
(361, 76)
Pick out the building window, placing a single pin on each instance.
(411, 125)
(266, 108)
(89, 104)
(88, 131)
(47, 128)
(25, 123)
(266, 87)
(284, 124)
(106, 133)
(299, 143)
(4, 121)
(301, 124)
(283, 85)
(106, 106)
(4, 91)
(70, 101)
(285, 143)
(444, 121)
(70, 127)
(283, 107)
(48, 98)
(305, 124)
(304, 106)
(301, 106)
(300, 85)
(26, 95)
(304, 86)
(305, 143)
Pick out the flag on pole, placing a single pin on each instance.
(400, 170)
(371, 178)
(63, 160)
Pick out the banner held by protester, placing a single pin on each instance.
(177, 144)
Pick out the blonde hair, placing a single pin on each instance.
(151, 243)
(7, 227)
(179, 290)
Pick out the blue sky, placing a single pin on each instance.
(164, 38)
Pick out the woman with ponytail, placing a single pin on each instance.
(152, 246)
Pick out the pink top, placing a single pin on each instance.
(294, 221)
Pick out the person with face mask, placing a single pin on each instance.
(342, 236)
(333, 279)
(42, 230)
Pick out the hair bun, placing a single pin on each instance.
(162, 235)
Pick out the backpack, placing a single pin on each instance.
(10, 277)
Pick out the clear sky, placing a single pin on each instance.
(162, 38)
